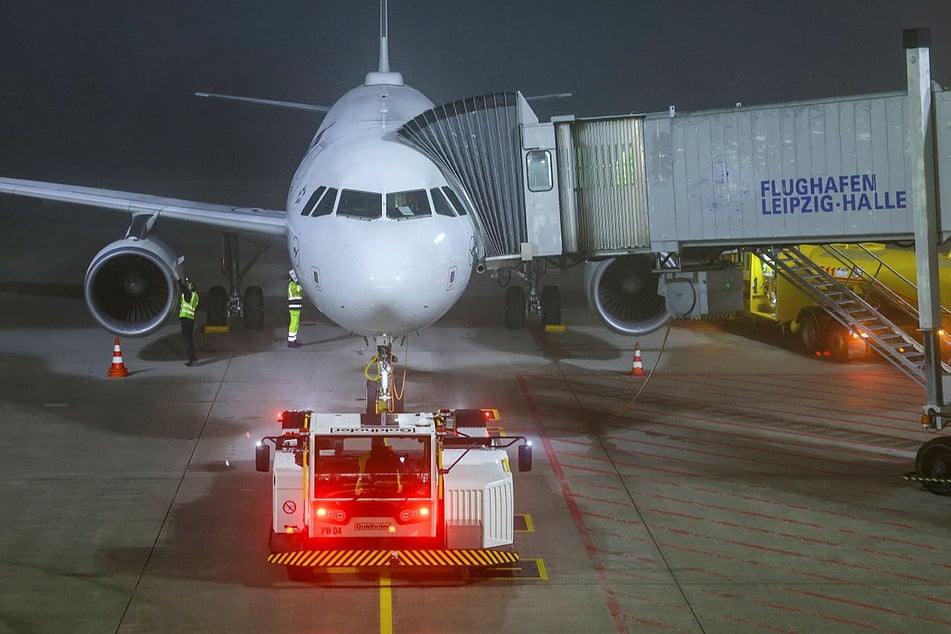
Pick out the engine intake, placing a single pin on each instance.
(131, 287)
(622, 291)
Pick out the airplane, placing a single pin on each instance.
(382, 243)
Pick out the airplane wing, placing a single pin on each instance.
(251, 219)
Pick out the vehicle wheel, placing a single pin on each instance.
(551, 306)
(284, 543)
(934, 461)
(217, 307)
(836, 341)
(253, 308)
(809, 330)
(514, 308)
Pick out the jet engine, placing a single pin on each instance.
(623, 293)
(131, 286)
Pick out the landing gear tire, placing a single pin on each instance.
(551, 306)
(514, 308)
(253, 308)
(810, 331)
(217, 307)
(934, 461)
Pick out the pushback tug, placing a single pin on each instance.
(445, 499)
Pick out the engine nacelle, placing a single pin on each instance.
(622, 291)
(131, 286)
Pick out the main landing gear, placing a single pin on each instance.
(383, 395)
(546, 304)
(219, 305)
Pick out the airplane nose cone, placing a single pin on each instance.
(392, 270)
(400, 288)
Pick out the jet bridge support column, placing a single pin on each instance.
(917, 44)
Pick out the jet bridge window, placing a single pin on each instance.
(441, 203)
(363, 205)
(538, 170)
(312, 201)
(408, 204)
(326, 205)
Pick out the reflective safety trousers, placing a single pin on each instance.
(295, 296)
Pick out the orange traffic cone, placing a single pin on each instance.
(118, 367)
(637, 368)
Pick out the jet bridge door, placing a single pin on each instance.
(541, 190)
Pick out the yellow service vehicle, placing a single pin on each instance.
(883, 275)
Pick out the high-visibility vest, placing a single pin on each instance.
(187, 311)
(295, 296)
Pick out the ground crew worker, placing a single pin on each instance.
(295, 303)
(186, 313)
(382, 465)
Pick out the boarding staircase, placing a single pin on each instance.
(852, 310)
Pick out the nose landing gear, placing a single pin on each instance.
(382, 393)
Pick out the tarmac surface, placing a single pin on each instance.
(738, 486)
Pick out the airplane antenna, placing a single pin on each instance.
(384, 28)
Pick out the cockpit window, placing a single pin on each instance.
(451, 195)
(357, 204)
(441, 204)
(408, 204)
(326, 205)
(312, 201)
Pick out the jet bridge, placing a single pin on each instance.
(650, 202)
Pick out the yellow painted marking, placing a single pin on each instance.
(386, 604)
(524, 570)
(542, 572)
(217, 329)
(556, 328)
(523, 523)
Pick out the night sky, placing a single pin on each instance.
(102, 90)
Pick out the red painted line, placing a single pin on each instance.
(746, 623)
(880, 553)
(698, 518)
(718, 507)
(591, 470)
(797, 507)
(588, 498)
(614, 608)
(766, 531)
(688, 474)
(826, 617)
(727, 396)
(866, 606)
(904, 542)
(779, 434)
(611, 518)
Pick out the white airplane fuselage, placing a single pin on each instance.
(379, 260)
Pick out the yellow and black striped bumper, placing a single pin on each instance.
(471, 558)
